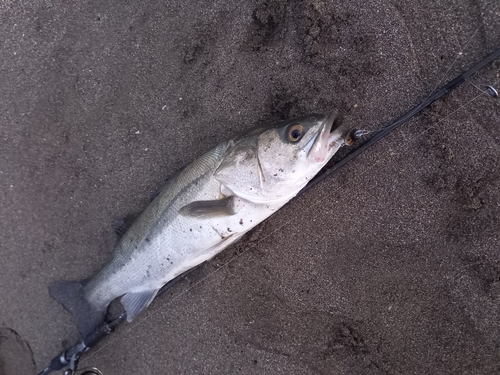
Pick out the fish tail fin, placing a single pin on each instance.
(71, 295)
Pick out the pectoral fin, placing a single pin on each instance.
(209, 209)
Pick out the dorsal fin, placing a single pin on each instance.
(167, 181)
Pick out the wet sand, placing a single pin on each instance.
(390, 266)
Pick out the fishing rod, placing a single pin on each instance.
(70, 357)
(382, 133)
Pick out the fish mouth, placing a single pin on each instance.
(323, 140)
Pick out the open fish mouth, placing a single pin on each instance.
(323, 141)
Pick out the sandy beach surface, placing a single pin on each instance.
(390, 266)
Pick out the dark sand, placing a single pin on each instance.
(391, 266)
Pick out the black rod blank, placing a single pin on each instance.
(63, 359)
(435, 95)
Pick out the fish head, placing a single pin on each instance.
(271, 164)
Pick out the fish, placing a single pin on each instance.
(203, 209)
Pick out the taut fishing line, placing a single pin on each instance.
(378, 134)
(288, 222)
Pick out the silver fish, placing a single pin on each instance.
(206, 207)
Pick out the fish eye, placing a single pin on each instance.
(295, 132)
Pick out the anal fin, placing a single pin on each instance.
(135, 302)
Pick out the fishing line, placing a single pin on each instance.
(378, 134)
(457, 57)
(152, 313)
(384, 131)
(435, 95)
(488, 89)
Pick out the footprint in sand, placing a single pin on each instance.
(16, 357)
